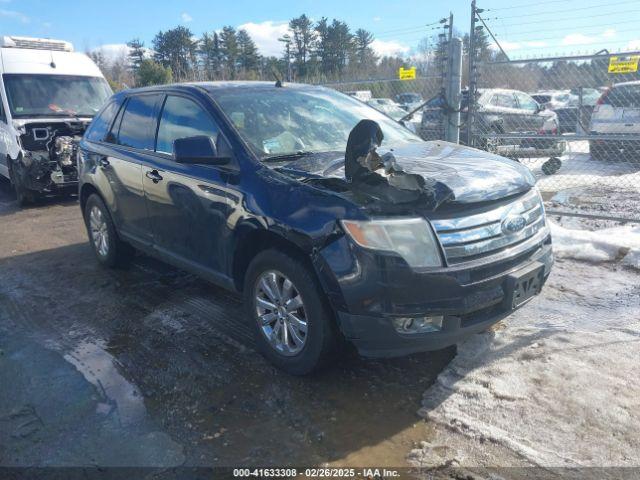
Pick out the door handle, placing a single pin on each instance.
(153, 175)
(104, 162)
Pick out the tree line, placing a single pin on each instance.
(326, 50)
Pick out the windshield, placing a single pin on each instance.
(55, 95)
(286, 121)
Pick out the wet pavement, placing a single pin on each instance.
(154, 366)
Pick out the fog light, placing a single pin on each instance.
(418, 324)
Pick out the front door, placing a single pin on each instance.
(127, 146)
(188, 204)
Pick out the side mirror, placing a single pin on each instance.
(541, 107)
(200, 149)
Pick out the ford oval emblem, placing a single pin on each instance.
(513, 224)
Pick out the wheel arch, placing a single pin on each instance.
(252, 241)
(86, 191)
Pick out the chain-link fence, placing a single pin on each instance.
(574, 121)
(397, 98)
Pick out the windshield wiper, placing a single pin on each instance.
(288, 156)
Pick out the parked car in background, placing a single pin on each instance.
(617, 113)
(362, 95)
(392, 109)
(409, 100)
(553, 99)
(271, 191)
(573, 107)
(49, 95)
(500, 111)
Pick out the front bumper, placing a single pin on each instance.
(469, 300)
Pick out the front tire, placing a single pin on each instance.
(24, 196)
(107, 246)
(288, 311)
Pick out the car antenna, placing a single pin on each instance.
(277, 77)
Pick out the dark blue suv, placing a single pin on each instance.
(244, 183)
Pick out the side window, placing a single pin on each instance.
(137, 126)
(182, 118)
(504, 100)
(100, 124)
(526, 102)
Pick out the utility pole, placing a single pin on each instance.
(453, 91)
(472, 81)
(450, 26)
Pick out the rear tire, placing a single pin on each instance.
(105, 242)
(300, 351)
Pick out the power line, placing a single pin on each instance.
(598, 45)
(520, 5)
(536, 22)
(402, 29)
(526, 15)
(581, 27)
(564, 36)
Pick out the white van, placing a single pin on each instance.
(49, 94)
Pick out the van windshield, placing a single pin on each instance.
(32, 95)
(283, 121)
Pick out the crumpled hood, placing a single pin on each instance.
(473, 175)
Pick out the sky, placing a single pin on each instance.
(523, 28)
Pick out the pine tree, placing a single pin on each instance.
(136, 53)
(248, 57)
(365, 56)
(210, 53)
(176, 49)
(303, 38)
(229, 49)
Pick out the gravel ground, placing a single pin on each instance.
(153, 366)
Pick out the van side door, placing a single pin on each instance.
(188, 204)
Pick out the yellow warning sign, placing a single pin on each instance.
(624, 64)
(407, 73)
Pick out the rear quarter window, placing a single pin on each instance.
(624, 96)
(100, 124)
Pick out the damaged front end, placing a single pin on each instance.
(47, 163)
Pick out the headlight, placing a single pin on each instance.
(411, 238)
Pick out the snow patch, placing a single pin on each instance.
(605, 245)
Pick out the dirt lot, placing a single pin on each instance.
(152, 366)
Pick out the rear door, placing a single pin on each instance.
(502, 113)
(529, 118)
(131, 141)
(188, 204)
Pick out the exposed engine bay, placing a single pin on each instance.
(48, 160)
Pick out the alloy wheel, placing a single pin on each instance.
(280, 313)
(99, 231)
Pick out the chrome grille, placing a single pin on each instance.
(488, 233)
